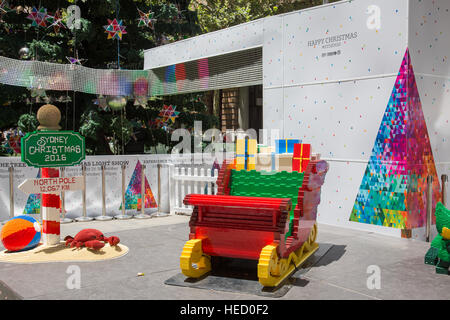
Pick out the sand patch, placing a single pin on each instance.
(61, 253)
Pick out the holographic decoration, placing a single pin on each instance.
(115, 29)
(33, 205)
(133, 193)
(203, 72)
(179, 78)
(39, 17)
(141, 92)
(393, 189)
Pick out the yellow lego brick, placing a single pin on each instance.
(240, 146)
(446, 233)
(252, 146)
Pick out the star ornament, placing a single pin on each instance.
(141, 102)
(4, 9)
(56, 22)
(168, 113)
(73, 60)
(146, 19)
(38, 17)
(115, 29)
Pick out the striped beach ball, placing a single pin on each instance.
(21, 233)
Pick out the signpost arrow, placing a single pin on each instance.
(52, 185)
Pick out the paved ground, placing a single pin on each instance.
(155, 246)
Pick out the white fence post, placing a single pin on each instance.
(190, 180)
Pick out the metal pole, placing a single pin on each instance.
(103, 217)
(84, 217)
(11, 194)
(159, 213)
(444, 179)
(123, 216)
(429, 207)
(142, 215)
(62, 173)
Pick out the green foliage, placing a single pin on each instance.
(91, 123)
(91, 44)
(442, 217)
(28, 122)
(219, 14)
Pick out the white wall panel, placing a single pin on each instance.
(240, 37)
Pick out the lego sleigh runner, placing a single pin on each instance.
(265, 216)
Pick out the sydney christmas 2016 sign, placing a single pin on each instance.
(53, 149)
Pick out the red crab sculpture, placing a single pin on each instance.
(90, 238)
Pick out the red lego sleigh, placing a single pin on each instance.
(256, 228)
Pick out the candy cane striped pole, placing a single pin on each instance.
(49, 117)
(50, 212)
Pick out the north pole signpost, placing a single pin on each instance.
(50, 149)
(52, 185)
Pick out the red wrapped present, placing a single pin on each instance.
(302, 156)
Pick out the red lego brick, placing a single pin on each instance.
(239, 227)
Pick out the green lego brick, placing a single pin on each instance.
(269, 185)
(431, 257)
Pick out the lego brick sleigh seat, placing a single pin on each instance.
(265, 216)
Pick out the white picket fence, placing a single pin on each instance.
(184, 181)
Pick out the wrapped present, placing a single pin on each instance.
(251, 152)
(285, 145)
(302, 156)
(265, 162)
(246, 154)
(283, 162)
(240, 154)
(265, 149)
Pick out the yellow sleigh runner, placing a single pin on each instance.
(272, 270)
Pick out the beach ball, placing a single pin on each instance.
(21, 233)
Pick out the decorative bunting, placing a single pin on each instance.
(115, 29)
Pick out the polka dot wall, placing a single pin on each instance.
(334, 43)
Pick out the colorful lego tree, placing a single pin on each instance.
(133, 193)
(393, 189)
